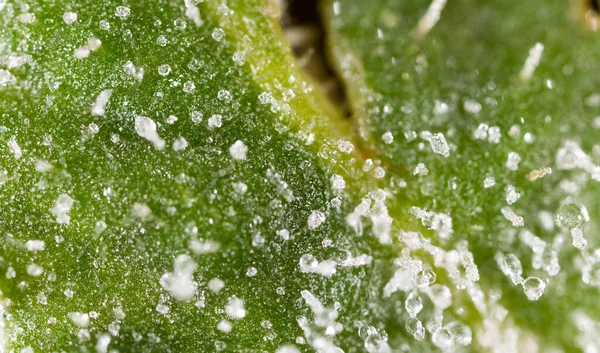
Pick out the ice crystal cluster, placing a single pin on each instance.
(170, 181)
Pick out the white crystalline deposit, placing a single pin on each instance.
(180, 283)
(61, 209)
(439, 145)
(146, 128)
(532, 61)
(309, 264)
(235, 308)
(100, 103)
(238, 150)
(315, 219)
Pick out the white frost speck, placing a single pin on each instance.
(141, 210)
(180, 283)
(235, 308)
(146, 128)
(192, 12)
(69, 17)
(35, 245)
(309, 264)
(421, 169)
(225, 326)
(337, 182)
(238, 150)
(6, 77)
(512, 195)
(488, 182)
(430, 18)
(62, 206)
(180, 144)
(14, 148)
(532, 61)
(315, 219)
(189, 87)
(100, 103)
(215, 285)
(199, 247)
(439, 145)
(34, 270)
(215, 121)
(387, 137)
(102, 343)
(136, 73)
(43, 166)
(513, 160)
(80, 319)
(509, 214)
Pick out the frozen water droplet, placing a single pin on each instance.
(215, 121)
(235, 308)
(511, 266)
(534, 288)
(442, 338)
(337, 182)
(34, 270)
(512, 163)
(189, 87)
(569, 216)
(164, 70)
(415, 328)
(387, 137)
(413, 304)
(80, 319)
(35, 245)
(461, 333)
(315, 219)
(180, 144)
(62, 206)
(489, 182)
(218, 34)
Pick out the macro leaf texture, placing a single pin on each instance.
(172, 181)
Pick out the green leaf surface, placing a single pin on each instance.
(511, 87)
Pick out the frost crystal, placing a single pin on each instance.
(62, 206)
(180, 283)
(215, 285)
(387, 137)
(489, 182)
(164, 70)
(439, 145)
(100, 103)
(512, 195)
(511, 267)
(225, 326)
(315, 219)
(215, 121)
(204, 247)
(6, 77)
(14, 148)
(421, 169)
(338, 182)
(509, 214)
(69, 17)
(218, 34)
(238, 151)
(34, 270)
(122, 12)
(413, 304)
(189, 87)
(309, 264)
(430, 18)
(146, 128)
(136, 73)
(235, 308)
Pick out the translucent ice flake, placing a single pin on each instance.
(6, 78)
(509, 214)
(238, 150)
(513, 160)
(69, 17)
(315, 219)
(488, 182)
(192, 12)
(578, 240)
(345, 146)
(61, 209)
(534, 288)
(180, 283)
(440, 222)
(122, 12)
(511, 195)
(413, 304)
(14, 148)
(472, 106)
(235, 308)
(100, 103)
(511, 267)
(218, 34)
(439, 145)
(141, 210)
(415, 328)
(309, 264)
(136, 73)
(324, 317)
(146, 128)
(225, 326)
(337, 182)
(102, 343)
(532, 61)
(421, 169)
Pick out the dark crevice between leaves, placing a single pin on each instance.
(303, 26)
(594, 5)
